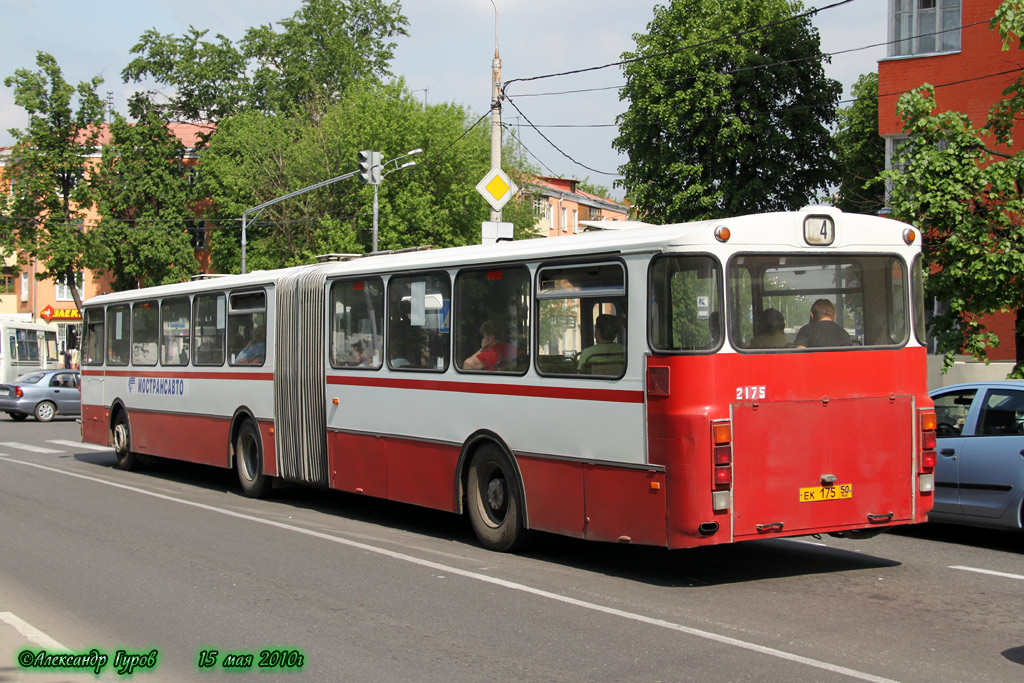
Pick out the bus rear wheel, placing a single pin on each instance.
(249, 461)
(121, 438)
(495, 501)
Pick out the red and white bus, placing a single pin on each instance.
(647, 385)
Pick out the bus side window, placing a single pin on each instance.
(145, 332)
(92, 344)
(118, 334)
(357, 323)
(582, 315)
(209, 319)
(419, 324)
(175, 322)
(492, 320)
(247, 328)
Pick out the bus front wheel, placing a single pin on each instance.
(495, 500)
(121, 438)
(249, 461)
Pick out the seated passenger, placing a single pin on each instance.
(605, 350)
(823, 329)
(769, 332)
(492, 351)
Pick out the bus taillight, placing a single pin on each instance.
(929, 423)
(721, 441)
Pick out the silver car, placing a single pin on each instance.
(979, 473)
(43, 393)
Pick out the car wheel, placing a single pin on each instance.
(45, 411)
(18, 417)
(495, 501)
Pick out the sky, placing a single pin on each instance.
(446, 57)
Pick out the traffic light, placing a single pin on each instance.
(369, 167)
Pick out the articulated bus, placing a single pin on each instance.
(653, 385)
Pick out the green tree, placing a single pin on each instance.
(736, 121)
(966, 200)
(48, 165)
(324, 48)
(254, 158)
(144, 197)
(861, 150)
(965, 197)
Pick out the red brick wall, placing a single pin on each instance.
(980, 54)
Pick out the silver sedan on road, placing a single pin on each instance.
(43, 393)
(979, 476)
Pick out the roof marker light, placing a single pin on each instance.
(722, 233)
(909, 236)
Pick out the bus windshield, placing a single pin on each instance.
(781, 303)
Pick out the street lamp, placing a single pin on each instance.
(382, 177)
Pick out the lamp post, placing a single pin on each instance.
(382, 177)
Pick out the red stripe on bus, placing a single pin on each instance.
(180, 375)
(609, 395)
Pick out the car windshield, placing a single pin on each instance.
(30, 378)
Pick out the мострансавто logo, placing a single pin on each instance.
(157, 386)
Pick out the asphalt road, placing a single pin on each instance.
(173, 559)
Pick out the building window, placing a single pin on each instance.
(8, 285)
(575, 220)
(920, 27)
(197, 235)
(564, 225)
(63, 292)
(540, 207)
(24, 287)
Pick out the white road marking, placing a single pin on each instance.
(28, 447)
(79, 444)
(511, 585)
(990, 572)
(33, 634)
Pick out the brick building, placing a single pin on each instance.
(560, 206)
(948, 44)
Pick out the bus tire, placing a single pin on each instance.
(249, 461)
(121, 438)
(495, 500)
(45, 411)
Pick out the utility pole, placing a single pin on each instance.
(496, 109)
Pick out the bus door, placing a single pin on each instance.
(821, 465)
(300, 377)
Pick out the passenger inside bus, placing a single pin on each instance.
(606, 356)
(255, 351)
(823, 329)
(769, 331)
(493, 351)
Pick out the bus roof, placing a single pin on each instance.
(782, 231)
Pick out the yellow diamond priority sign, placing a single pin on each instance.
(497, 188)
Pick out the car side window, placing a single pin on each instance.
(951, 410)
(1002, 414)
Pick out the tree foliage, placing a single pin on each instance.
(324, 48)
(737, 121)
(255, 157)
(861, 150)
(967, 202)
(48, 165)
(145, 198)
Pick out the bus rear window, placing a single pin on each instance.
(780, 303)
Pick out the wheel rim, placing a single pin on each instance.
(44, 411)
(495, 495)
(120, 437)
(248, 455)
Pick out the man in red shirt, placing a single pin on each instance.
(491, 352)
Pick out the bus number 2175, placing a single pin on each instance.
(750, 393)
